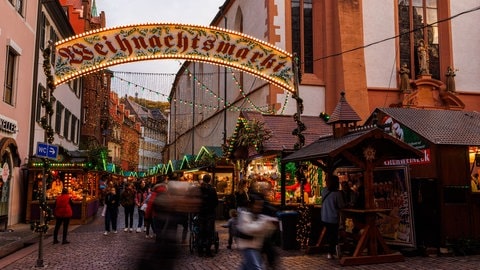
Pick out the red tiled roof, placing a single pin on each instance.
(282, 127)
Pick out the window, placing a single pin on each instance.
(73, 131)
(38, 110)
(10, 75)
(58, 117)
(66, 124)
(53, 39)
(416, 24)
(43, 30)
(302, 33)
(18, 4)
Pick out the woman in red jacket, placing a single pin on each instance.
(63, 212)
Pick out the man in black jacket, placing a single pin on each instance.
(206, 216)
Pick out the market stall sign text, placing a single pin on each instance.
(101, 48)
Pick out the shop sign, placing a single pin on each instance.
(8, 125)
(412, 161)
(101, 48)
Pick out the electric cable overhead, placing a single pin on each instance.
(399, 35)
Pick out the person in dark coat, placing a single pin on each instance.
(63, 212)
(127, 200)
(206, 216)
(241, 195)
(112, 201)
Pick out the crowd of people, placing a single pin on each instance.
(164, 205)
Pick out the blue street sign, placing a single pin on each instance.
(42, 149)
(52, 152)
(46, 150)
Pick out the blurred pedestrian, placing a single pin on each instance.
(112, 202)
(206, 216)
(332, 202)
(140, 197)
(127, 200)
(232, 227)
(253, 228)
(63, 212)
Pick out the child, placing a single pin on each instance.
(232, 226)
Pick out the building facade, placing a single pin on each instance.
(96, 86)
(66, 98)
(17, 57)
(356, 47)
(153, 134)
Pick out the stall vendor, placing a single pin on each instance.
(296, 187)
(57, 186)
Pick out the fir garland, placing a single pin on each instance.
(45, 210)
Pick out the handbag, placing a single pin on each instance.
(104, 210)
(143, 207)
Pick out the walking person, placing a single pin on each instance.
(206, 216)
(148, 215)
(332, 202)
(112, 202)
(253, 228)
(63, 212)
(127, 200)
(140, 198)
(232, 227)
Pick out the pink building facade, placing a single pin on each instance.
(17, 59)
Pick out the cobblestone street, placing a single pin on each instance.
(90, 249)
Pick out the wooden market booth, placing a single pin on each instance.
(441, 180)
(267, 161)
(365, 148)
(82, 183)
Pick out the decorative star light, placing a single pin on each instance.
(369, 153)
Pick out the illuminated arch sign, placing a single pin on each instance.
(101, 48)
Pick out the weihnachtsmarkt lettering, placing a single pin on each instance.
(101, 48)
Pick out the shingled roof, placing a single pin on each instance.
(343, 112)
(282, 127)
(326, 148)
(439, 126)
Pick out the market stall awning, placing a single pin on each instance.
(354, 148)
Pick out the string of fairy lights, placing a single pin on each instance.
(128, 83)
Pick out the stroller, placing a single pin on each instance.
(194, 241)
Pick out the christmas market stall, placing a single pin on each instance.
(444, 181)
(257, 147)
(210, 160)
(82, 184)
(363, 150)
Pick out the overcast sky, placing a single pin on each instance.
(125, 12)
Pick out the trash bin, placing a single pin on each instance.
(288, 229)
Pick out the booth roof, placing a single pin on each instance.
(438, 126)
(282, 127)
(387, 147)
